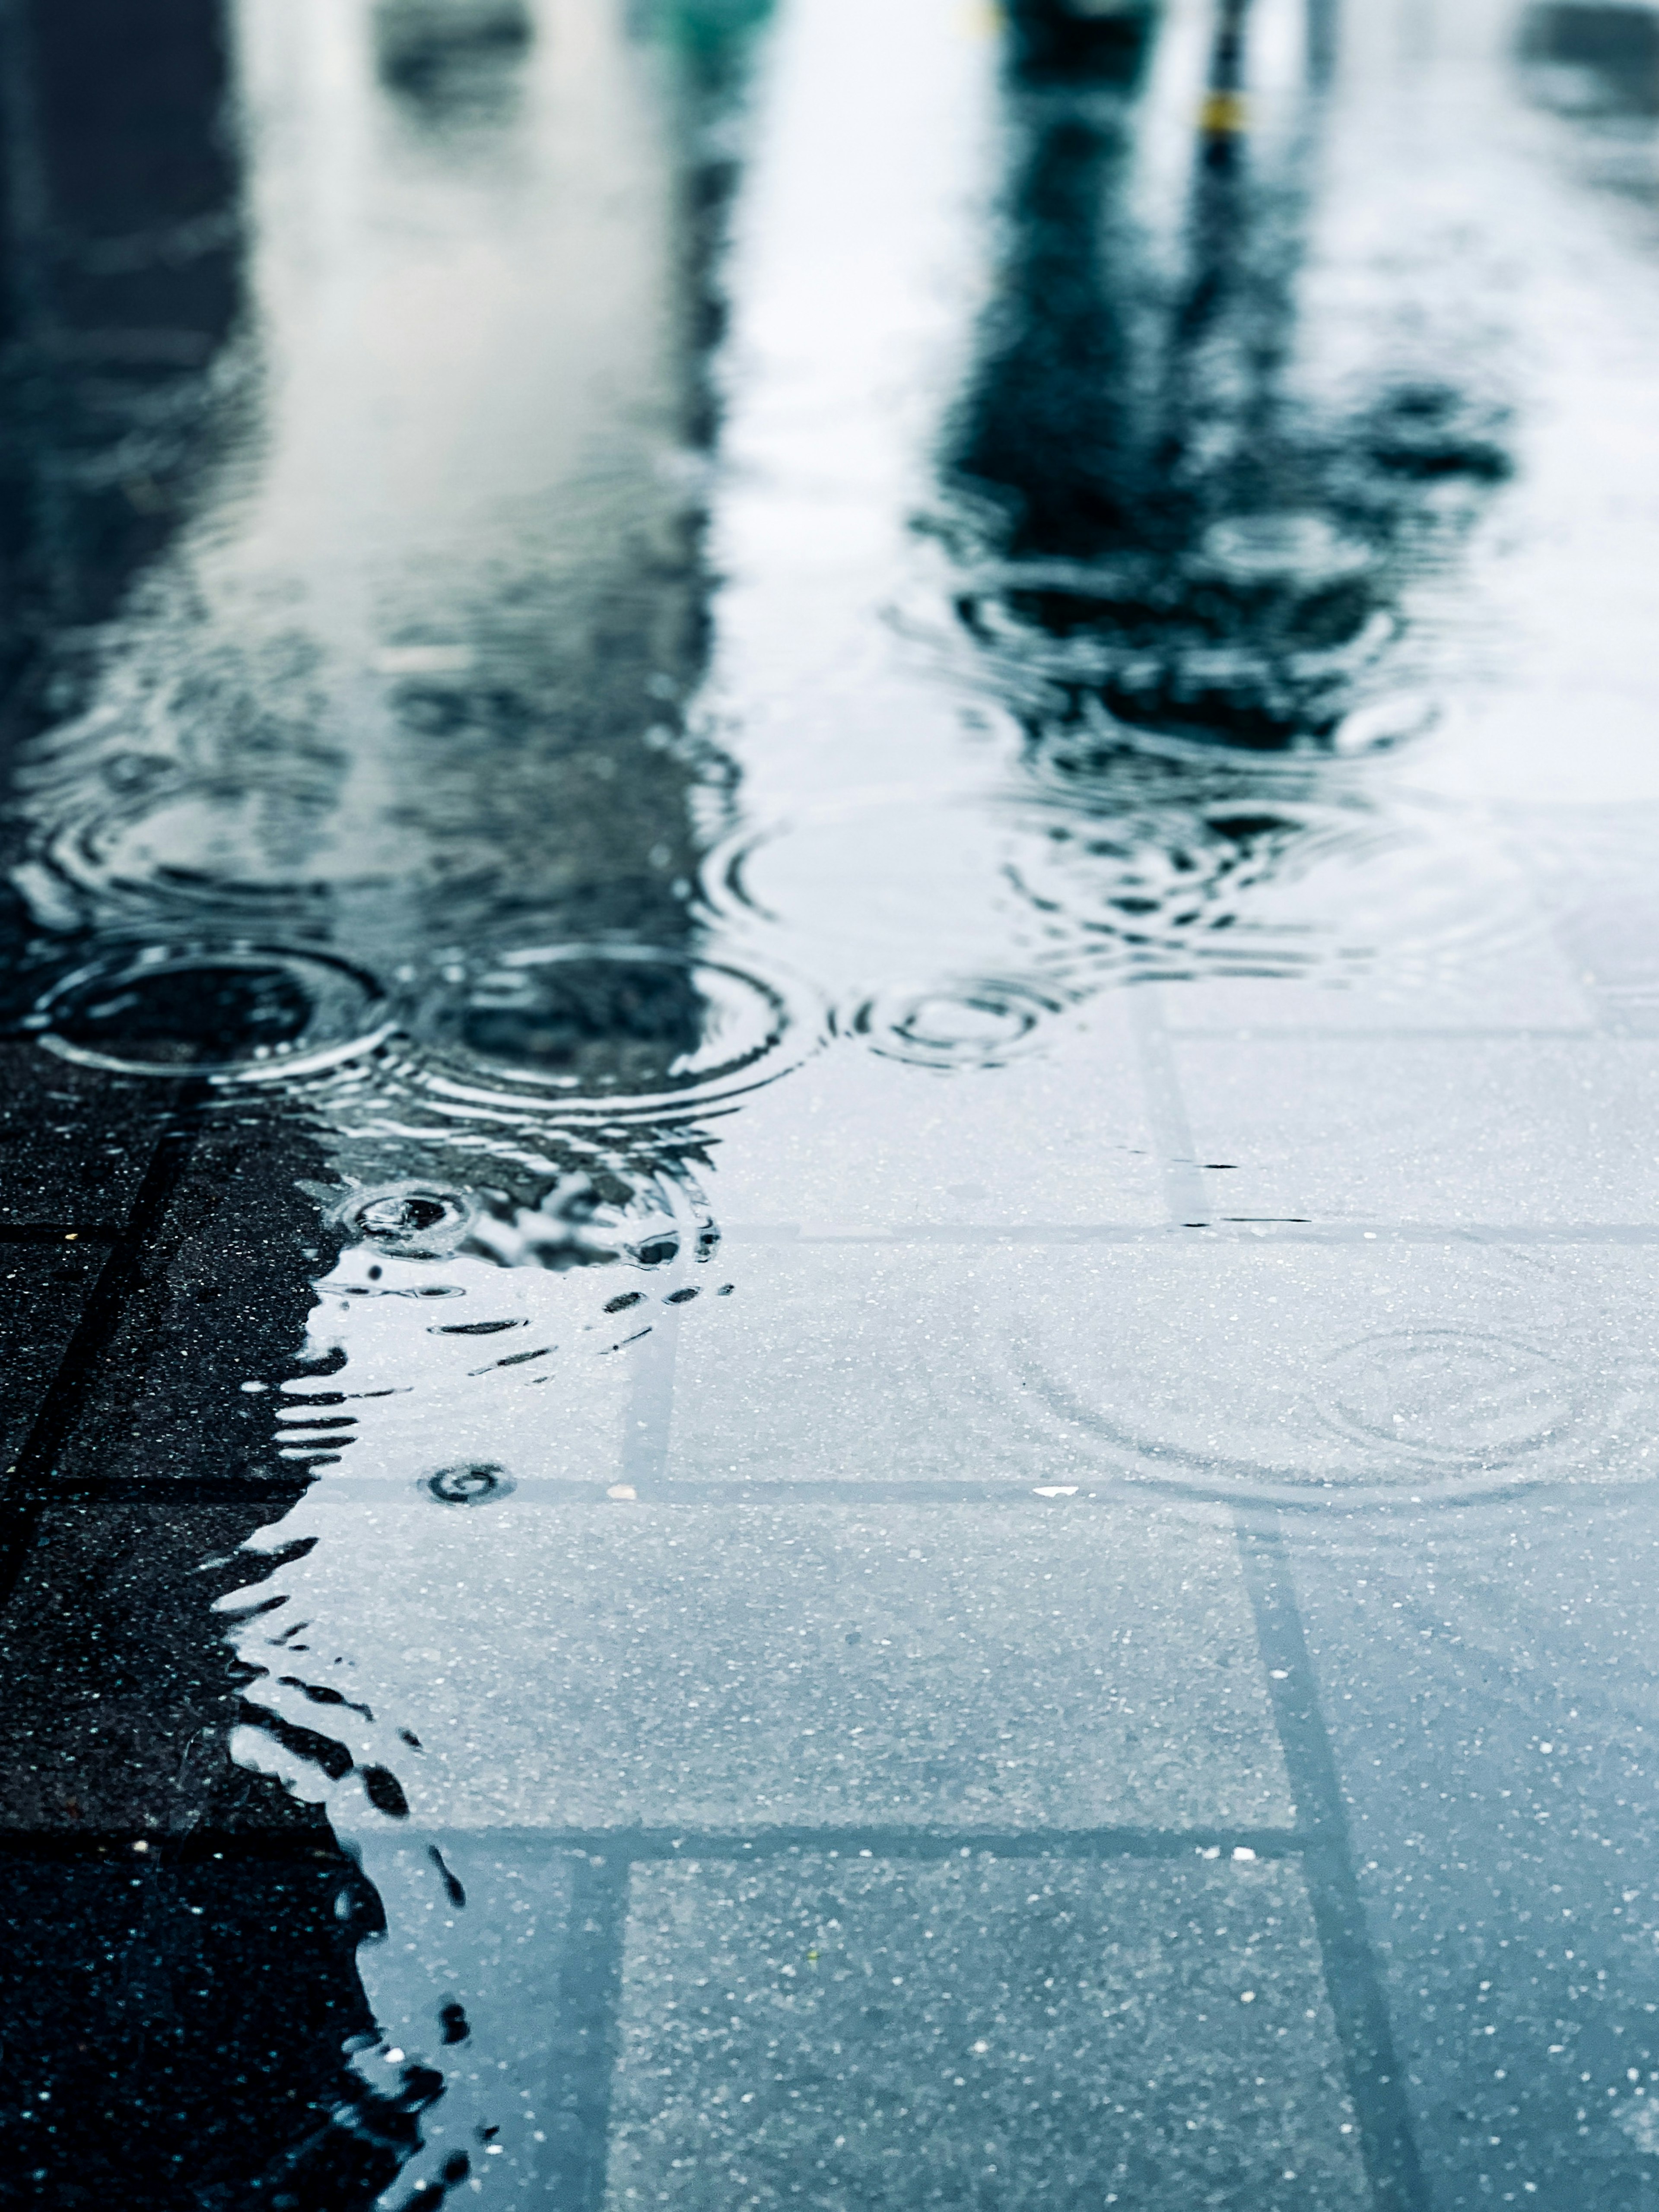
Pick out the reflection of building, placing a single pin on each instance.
(409, 686)
(120, 241)
(1172, 540)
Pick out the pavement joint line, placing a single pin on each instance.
(173, 1850)
(1353, 1983)
(590, 2031)
(1223, 1230)
(25, 1492)
(1361, 1033)
(1184, 1189)
(650, 1415)
(636, 1846)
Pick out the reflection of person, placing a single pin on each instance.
(1210, 563)
(1104, 39)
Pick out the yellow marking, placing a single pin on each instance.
(1224, 114)
(984, 19)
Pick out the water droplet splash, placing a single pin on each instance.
(980, 1021)
(482, 1483)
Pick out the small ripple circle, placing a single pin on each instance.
(612, 1027)
(979, 1022)
(479, 1482)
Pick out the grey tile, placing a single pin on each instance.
(505, 1995)
(1493, 1702)
(1446, 1130)
(1254, 1368)
(45, 1289)
(73, 1144)
(867, 1364)
(123, 1691)
(578, 1667)
(869, 2035)
(859, 1139)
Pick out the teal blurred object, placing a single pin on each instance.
(1605, 51)
(712, 35)
(1107, 40)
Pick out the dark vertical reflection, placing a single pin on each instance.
(120, 284)
(1130, 420)
(420, 720)
(1213, 560)
(1595, 53)
(169, 2017)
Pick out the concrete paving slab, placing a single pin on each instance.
(881, 1132)
(1494, 1705)
(877, 2036)
(45, 1289)
(123, 1691)
(1267, 1369)
(860, 1363)
(574, 1667)
(1476, 1130)
(73, 1144)
(220, 1297)
(174, 2025)
(504, 1995)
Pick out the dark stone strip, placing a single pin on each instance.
(1352, 1981)
(24, 1490)
(589, 2009)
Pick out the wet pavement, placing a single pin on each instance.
(830, 998)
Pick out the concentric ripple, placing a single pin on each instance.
(610, 1028)
(480, 1483)
(1266, 881)
(1249, 1407)
(1447, 1399)
(980, 1021)
(239, 1013)
(231, 847)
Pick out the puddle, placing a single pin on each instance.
(908, 762)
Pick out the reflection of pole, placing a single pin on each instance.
(1226, 115)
